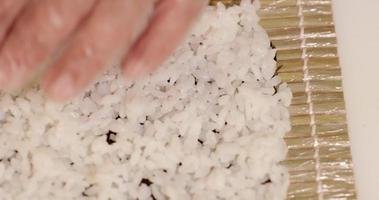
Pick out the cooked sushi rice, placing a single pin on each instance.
(209, 124)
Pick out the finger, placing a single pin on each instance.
(169, 26)
(9, 9)
(104, 38)
(38, 31)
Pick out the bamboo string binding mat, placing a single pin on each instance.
(319, 158)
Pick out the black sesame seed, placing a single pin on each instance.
(72, 163)
(131, 86)
(165, 170)
(84, 194)
(141, 123)
(145, 181)
(201, 43)
(215, 131)
(169, 80)
(226, 123)
(87, 94)
(180, 164)
(118, 117)
(200, 141)
(266, 181)
(195, 79)
(229, 166)
(110, 137)
(179, 136)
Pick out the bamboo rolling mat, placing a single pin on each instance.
(319, 158)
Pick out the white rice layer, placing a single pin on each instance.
(207, 125)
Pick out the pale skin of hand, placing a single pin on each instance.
(78, 40)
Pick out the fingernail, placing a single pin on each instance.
(136, 70)
(62, 88)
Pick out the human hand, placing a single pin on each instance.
(77, 40)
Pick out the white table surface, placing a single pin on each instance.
(357, 25)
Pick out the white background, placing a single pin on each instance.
(357, 25)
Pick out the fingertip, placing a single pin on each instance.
(61, 88)
(3, 79)
(8, 81)
(135, 70)
(172, 21)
